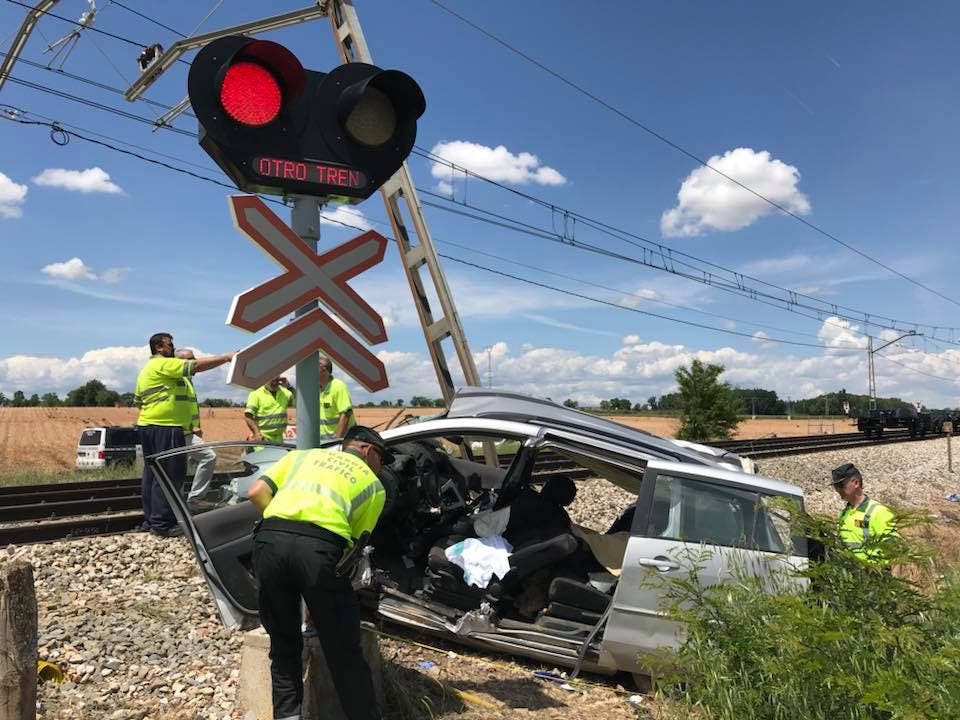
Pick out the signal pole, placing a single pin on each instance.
(305, 222)
(871, 372)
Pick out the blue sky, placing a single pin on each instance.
(842, 113)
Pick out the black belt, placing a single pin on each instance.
(299, 527)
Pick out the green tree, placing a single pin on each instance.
(652, 402)
(85, 395)
(19, 399)
(3, 399)
(216, 402)
(34, 400)
(126, 399)
(106, 398)
(50, 400)
(570, 403)
(708, 410)
(400, 402)
(384, 403)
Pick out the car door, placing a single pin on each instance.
(688, 517)
(221, 533)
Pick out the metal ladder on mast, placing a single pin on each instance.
(399, 193)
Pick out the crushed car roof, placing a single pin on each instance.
(477, 402)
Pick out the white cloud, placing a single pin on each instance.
(77, 269)
(761, 338)
(708, 201)
(493, 163)
(93, 179)
(635, 370)
(72, 269)
(837, 333)
(12, 197)
(444, 188)
(114, 275)
(344, 215)
(638, 296)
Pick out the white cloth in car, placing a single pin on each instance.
(481, 559)
(492, 522)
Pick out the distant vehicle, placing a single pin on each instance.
(99, 447)
(876, 421)
(576, 598)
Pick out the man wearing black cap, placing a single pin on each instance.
(862, 518)
(315, 504)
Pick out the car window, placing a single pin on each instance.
(121, 436)
(90, 437)
(701, 512)
(214, 476)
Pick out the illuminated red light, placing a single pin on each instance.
(250, 94)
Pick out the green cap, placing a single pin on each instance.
(361, 433)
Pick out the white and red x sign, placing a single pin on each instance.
(308, 276)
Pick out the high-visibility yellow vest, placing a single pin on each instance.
(162, 394)
(195, 410)
(269, 411)
(330, 488)
(334, 401)
(858, 525)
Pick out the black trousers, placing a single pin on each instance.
(290, 566)
(153, 439)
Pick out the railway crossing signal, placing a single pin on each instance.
(307, 276)
(275, 128)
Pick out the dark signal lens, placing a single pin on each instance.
(250, 94)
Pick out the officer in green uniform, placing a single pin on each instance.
(166, 412)
(863, 518)
(266, 411)
(315, 504)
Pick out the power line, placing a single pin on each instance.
(662, 253)
(669, 256)
(56, 128)
(638, 310)
(628, 292)
(96, 105)
(919, 372)
(85, 27)
(665, 254)
(148, 19)
(676, 146)
(734, 287)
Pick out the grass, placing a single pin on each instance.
(31, 476)
(859, 642)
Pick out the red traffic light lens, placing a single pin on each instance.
(250, 94)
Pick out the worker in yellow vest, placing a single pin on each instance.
(336, 409)
(166, 413)
(315, 504)
(862, 518)
(266, 412)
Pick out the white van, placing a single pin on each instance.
(102, 446)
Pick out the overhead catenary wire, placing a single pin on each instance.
(643, 312)
(523, 227)
(500, 220)
(55, 127)
(643, 298)
(679, 148)
(667, 255)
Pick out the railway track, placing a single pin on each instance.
(60, 511)
(777, 447)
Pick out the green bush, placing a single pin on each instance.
(852, 641)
